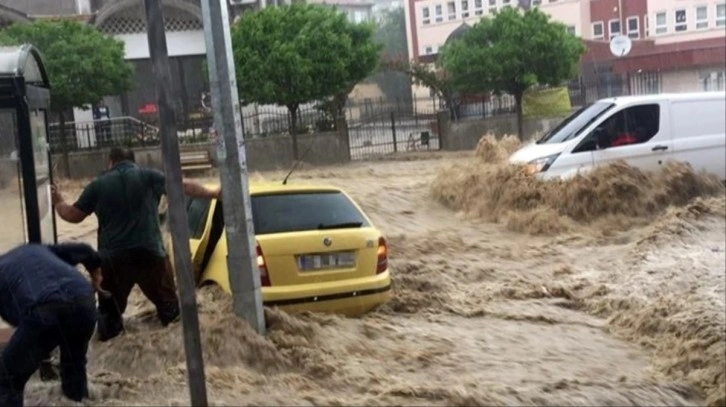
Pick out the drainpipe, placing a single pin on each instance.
(620, 17)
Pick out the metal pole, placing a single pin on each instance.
(393, 130)
(244, 275)
(175, 194)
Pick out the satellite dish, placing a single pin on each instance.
(620, 45)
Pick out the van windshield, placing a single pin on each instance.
(575, 123)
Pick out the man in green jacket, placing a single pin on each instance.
(125, 200)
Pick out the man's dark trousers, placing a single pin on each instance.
(68, 325)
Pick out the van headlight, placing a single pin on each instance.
(541, 164)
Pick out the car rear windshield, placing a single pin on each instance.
(279, 213)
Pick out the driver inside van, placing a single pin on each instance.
(616, 133)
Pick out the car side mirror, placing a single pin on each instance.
(602, 138)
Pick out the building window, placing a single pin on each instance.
(506, 2)
(439, 13)
(661, 25)
(614, 26)
(536, 2)
(478, 7)
(633, 27)
(701, 17)
(572, 30)
(712, 81)
(451, 8)
(429, 50)
(720, 15)
(492, 3)
(597, 31)
(425, 16)
(681, 21)
(464, 8)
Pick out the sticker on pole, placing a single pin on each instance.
(620, 45)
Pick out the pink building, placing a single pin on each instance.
(678, 45)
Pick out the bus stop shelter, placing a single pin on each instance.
(26, 212)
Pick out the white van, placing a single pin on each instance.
(644, 131)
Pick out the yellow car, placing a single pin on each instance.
(316, 249)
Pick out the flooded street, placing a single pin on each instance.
(490, 308)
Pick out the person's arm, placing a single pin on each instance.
(82, 253)
(191, 188)
(197, 190)
(72, 213)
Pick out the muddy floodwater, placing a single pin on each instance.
(497, 302)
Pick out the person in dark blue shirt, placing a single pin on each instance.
(51, 305)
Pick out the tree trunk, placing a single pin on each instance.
(293, 131)
(453, 113)
(64, 145)
(339, 102)
(520, 114)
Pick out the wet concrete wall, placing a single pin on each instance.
(464, 134)
(269, 153)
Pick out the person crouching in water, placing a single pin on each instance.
(51, 305)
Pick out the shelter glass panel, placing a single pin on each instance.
(12, 214)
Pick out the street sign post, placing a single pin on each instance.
(244, 275)
(178, 225)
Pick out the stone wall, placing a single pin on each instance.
(464, 134)
(263, 154)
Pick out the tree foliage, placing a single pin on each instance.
(512, 52)
(296, 54)
(391, 34)
(83, 64)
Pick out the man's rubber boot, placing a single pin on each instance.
(110, 324)
(48, 371)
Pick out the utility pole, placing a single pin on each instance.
(244, 275)
(175, 194)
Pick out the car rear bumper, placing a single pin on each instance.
(348, 297)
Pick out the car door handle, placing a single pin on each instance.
(659, 148)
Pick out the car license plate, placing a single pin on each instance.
(326, 261)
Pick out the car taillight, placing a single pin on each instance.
(382, 256)
(264, 277)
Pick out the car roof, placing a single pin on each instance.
(665, 96)
(262, 188)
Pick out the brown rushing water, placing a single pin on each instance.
(485, 312)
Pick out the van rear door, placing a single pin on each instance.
(699, 133)
(645, 127)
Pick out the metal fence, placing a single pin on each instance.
(375, 129)
(613, 85)
(122, 131)
(375, 126)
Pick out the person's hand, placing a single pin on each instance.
(55, 194)
(96, 279)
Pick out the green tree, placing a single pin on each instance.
(296, 54)
(83, 65)
(391, 34)
(512, 52)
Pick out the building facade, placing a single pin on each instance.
(677, 45)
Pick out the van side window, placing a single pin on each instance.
(633, 125)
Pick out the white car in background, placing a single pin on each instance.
(687, 127)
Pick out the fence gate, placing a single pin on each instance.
(377, 129)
